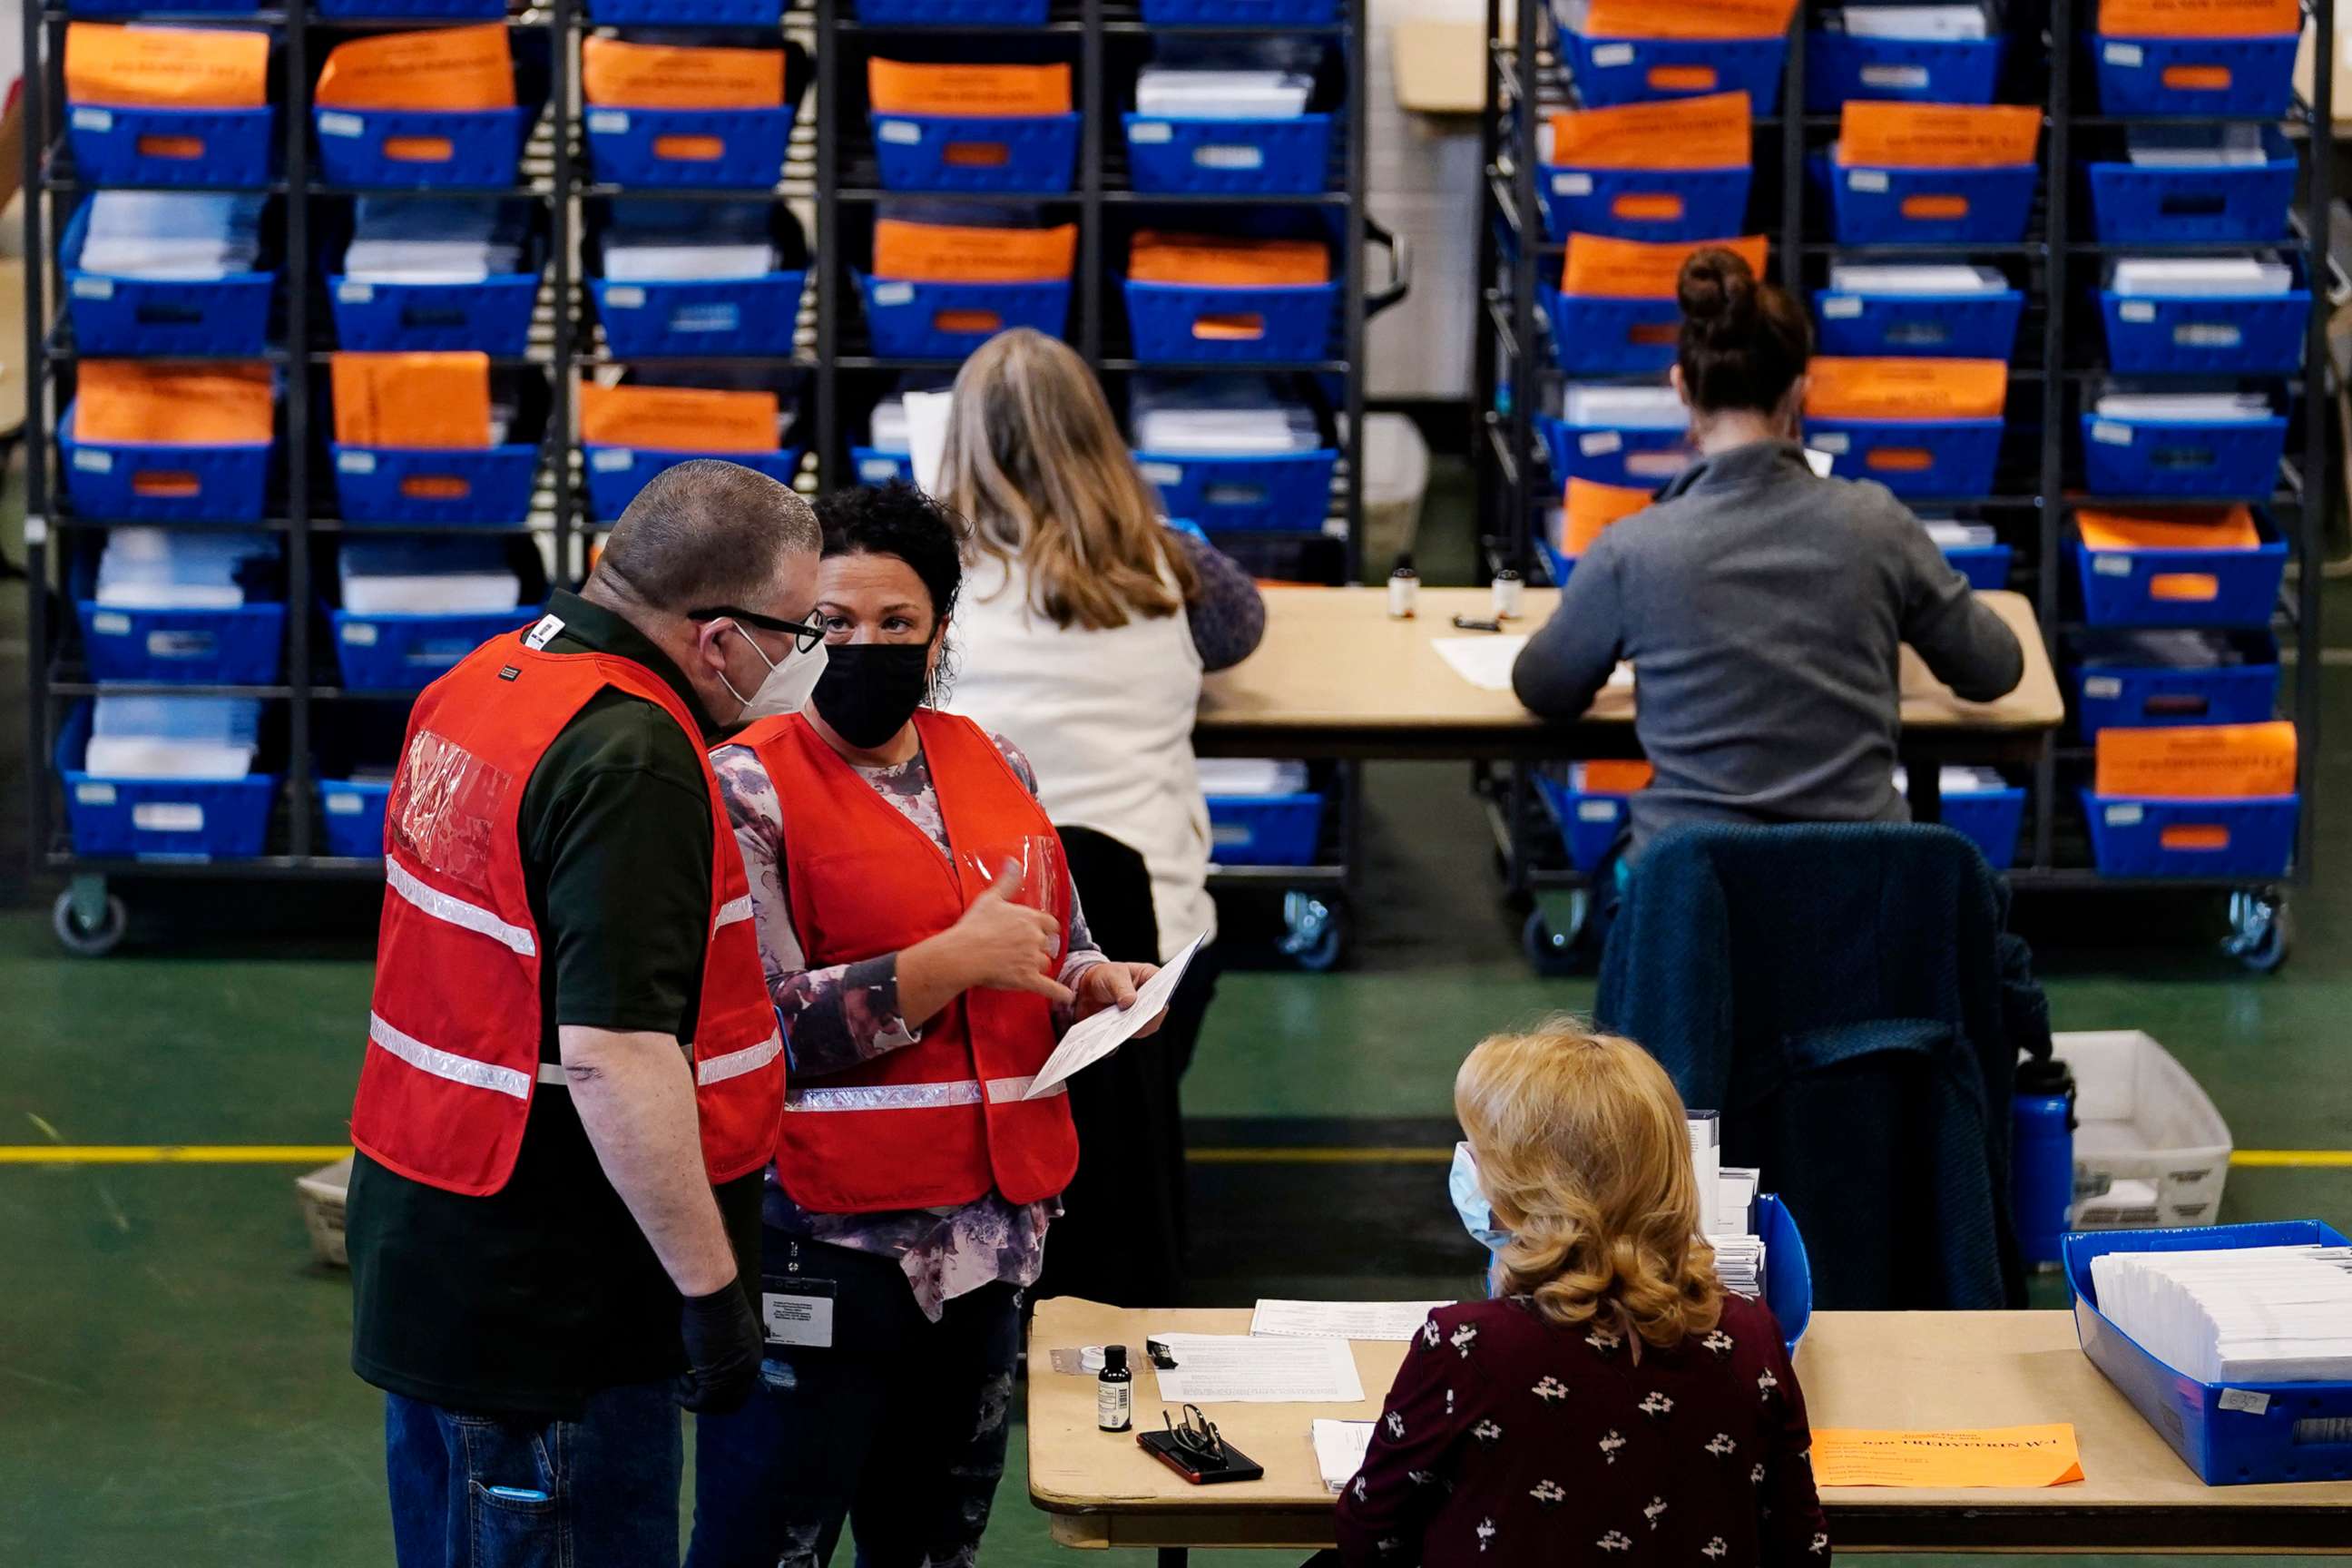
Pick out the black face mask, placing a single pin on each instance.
(870, 689)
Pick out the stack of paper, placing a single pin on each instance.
(2196, 146)
(1585, 404)
(1951, 534)
(1706, 1158)
(1736, 1199)
(1395, 1321)
(174, 737)
(426, 573)
(1340, 1450)
(887, 432)
(1180, 93)
(1957, 780)
(447, 239)
(163, 569)
(2212, 407)
(1925, 24)
(1916, 279)
(1248, 1369)
(1739, 1264)
(1220, 417)
(679, 242)
(2168, 649)
(196, 235)
(1251, 775)
(2199, 277)
(2260, 1314)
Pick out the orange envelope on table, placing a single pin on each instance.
(166, 67)
(1888, 135)
(1217, 262)
(944, 253)
(2199, 19)
(1590, 508)
(1687, 18)
(166, 405)
(2175, 528)
(1615, 777)
(665, 76)
(1711, 132)
(2198, 762)
(897, 87)
(434, 400)
(1907, 388)
(434, 67)
(1599, 266)
(678, 418)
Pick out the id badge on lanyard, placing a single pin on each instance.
(796, 1308)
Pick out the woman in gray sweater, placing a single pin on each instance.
(1762, 607)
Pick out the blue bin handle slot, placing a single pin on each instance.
(706, 316)
(1236, 495)
(2193, 204)
(2177, 705)
(961, 153)
(418, 149)
(418, 316)
(966, 319)
(1226, 156)
(435, 487)
(166, 484)
(1921, 332)
(182, 645)
(2182, 458)
(155, 313)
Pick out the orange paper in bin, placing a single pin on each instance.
(1710, 133)
(678, 418)
(2198, 762)
(1608, 777)
(1598, 266)
(896, 87)
(1687, 18)
(1907, 388)
(663, 75)
(2176, 528)
(942, 253)
(2199, 18)
(166, 67)
(412, 400)
(433, 68)
(1590, 508)
(1217, 261)
(167, 405)
(1874, 134)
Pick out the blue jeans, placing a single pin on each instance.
(479, 1491)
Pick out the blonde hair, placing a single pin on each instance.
(1035, 460)
(1584, 1154)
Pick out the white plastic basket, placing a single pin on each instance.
(2149, 1148)
(321, 1196)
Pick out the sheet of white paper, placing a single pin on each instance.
(927, 436)
(1091, 1039)
(1340, 1449)
(1238, 1369)
(1820, 462)
(1342, 1320)
(1484, 661)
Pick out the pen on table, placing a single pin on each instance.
(1468, 624)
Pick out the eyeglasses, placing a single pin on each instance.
(805, 637)
(1197, 1436)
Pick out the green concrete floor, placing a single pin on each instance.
(173, 1387)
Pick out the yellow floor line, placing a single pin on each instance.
(2294, 1159)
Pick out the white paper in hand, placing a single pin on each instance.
(927, 437)
(1091, 1039)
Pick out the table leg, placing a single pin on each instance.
(1926, 791)
(1175, 1557)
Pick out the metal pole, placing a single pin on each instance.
(562, 434)
(2056, 385)
(1090, 188)
(298, 412)
(2319, 480)
(828, 248)
(39, 95)
(1352, 503)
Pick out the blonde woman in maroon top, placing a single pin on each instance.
(1613, 1404)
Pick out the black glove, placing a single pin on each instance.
(723, 1346)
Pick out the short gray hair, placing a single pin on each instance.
(706, 533)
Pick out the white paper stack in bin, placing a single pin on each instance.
(163, 569)
(722, 242)
(2246, 1315)
(1220, 417)
(1912, 23)
(159, 236)
(436, 241)
(1915, 278)
(426, 574)
(173, 737)
(1180, 92)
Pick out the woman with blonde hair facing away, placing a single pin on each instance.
(1613, 1402)
(1085, 628)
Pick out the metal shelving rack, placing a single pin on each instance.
(2058, 364)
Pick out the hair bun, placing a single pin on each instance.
(1717, 291)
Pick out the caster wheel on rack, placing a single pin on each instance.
(1551, 944)
(2262, 929)
(81, 937)
(1316, 931)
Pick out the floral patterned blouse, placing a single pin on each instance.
(837, 1017)
(1509, 1440)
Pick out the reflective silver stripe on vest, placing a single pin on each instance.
(441, 906)
(735, 1064)
(446, 1064)
(910, 1095)
(730, 912)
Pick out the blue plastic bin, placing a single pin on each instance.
(226, 318)
(406, 652)
(1706, 203)
(2187, 458)
(440, 10)
(876, 466)
(1034, 154)
(2131, 204)
(241, 647)
(1989, 818)
(161, 819)
(2114, 690)
(1239, 157)
(2230, 1436)
(228, 149)
(1839, 66)
(948, 320)
(1629, 70)
(625, 147)
(951, 13)
(686, 13)
(2248, 334)
(1243, 13)
(615, 474)
(1890, 206)
(491, 317)
(1953, 460)
(1986, 566)
(487, 486)
(2179, 587)
(2257, 77)
(127, 481)
(2249, 836)
(758, 316)
(1597, 335)
(485, 146)
(149, 7)
(1265, 829)
(1630, 456)
(1588, 820)
(351, 815)
(1295, 321)
(1918, 326)
(1788, 1269)
(1286, 492)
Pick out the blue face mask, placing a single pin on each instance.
(1470, 1202)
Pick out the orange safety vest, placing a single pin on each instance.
(454, 1030)
(942, 1122)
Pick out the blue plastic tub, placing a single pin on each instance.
(1287, 492)
(1933, 206)
(1629, 70)
(485, 146)
(1597, 335)
(1986, 566)
(1787, 1270)
(149, 7)
(951, 13)
(2112, 692)
(2179, 587)
(1953, 460)
(2131, 204)
(1689, 203)
(1293, 322)
(139, 482)
(1218, 157)
(1034, 154)
(2179, 76)
(226, 318)
(1919, 326)
(2249, 334)
(1265, 829)
(615, 474)
(948, 320)
(2187, 458)
(756, 316)
(2152, 836)
(406, 652)
(219, 149)
(626, 147)
(492, 317)
(686, 13)
(1588, 820)
(351, 815)
(1240, 13)
(1989, 818)
(442, 10)
(1839, 66)
(487, 487)
(241, 647)
(1629, 456)
(876, 466)
(2229, 1436)
(161, 819)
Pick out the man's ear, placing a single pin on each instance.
(1674, 377)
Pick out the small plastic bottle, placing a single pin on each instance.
(1508, 587)
(1114, 1391)
(1404, 590)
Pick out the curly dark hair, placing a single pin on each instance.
(897, 520)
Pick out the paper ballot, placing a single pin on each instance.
(1340, 1450)
(1240, 1369)
(1484, 661)
(1091, 1039)
(927, 436)
(1397, 1321)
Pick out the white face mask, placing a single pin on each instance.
(785, 689)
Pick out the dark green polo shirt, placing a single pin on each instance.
(526, 1301)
